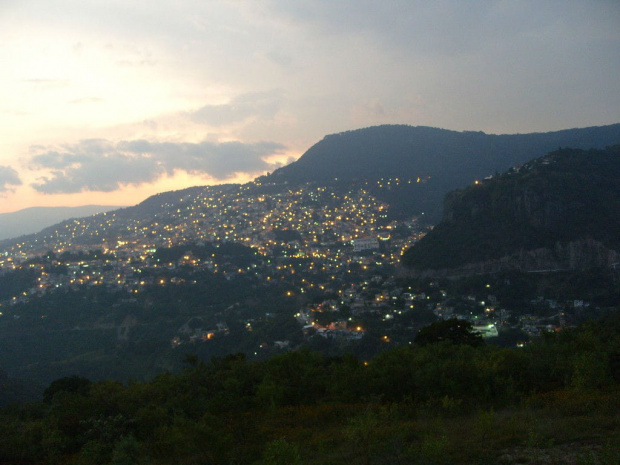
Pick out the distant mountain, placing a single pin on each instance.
(115, 223)
(560, 211)
(428, 163)
(442, 159)
(32, 220)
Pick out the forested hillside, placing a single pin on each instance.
(448, 400)
(443, 160)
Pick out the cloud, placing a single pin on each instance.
(373, 108)
(448, 28)
(100, 165)
(47, 83)
(410, 26)
(86, 100)
(256, 104)
(8, 177)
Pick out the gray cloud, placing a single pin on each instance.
(8, 178)
(257, 104)
(100, 165)
(448, 27)
(86, 100)
(46, 83)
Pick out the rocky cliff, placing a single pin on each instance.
(561, 211)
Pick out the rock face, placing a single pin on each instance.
(541, 208)
(588, 254)
(576, 255)
(561, 211)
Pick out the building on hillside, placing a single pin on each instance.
(485, 331)
(365, 243)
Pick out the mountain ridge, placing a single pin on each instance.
(446, 159)
(34, 219)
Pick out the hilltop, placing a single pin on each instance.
(560, 211)
(391, 150)
(441, 160)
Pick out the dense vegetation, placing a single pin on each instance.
(441, 402)
(102, 333)
(568, 195)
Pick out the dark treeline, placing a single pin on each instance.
(447, 399)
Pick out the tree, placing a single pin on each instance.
(71, 384)
(453, 330)
(281, 452)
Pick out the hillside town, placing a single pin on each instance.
(252, 214)
(335, 256)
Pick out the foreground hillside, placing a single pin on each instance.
(558, 212)
(446, 400)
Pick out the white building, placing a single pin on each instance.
(365, 243)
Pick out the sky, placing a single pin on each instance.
(110, 101)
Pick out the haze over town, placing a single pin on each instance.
(110, 102)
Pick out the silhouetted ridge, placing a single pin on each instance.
(444, 159)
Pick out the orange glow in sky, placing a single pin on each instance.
(110, 102)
